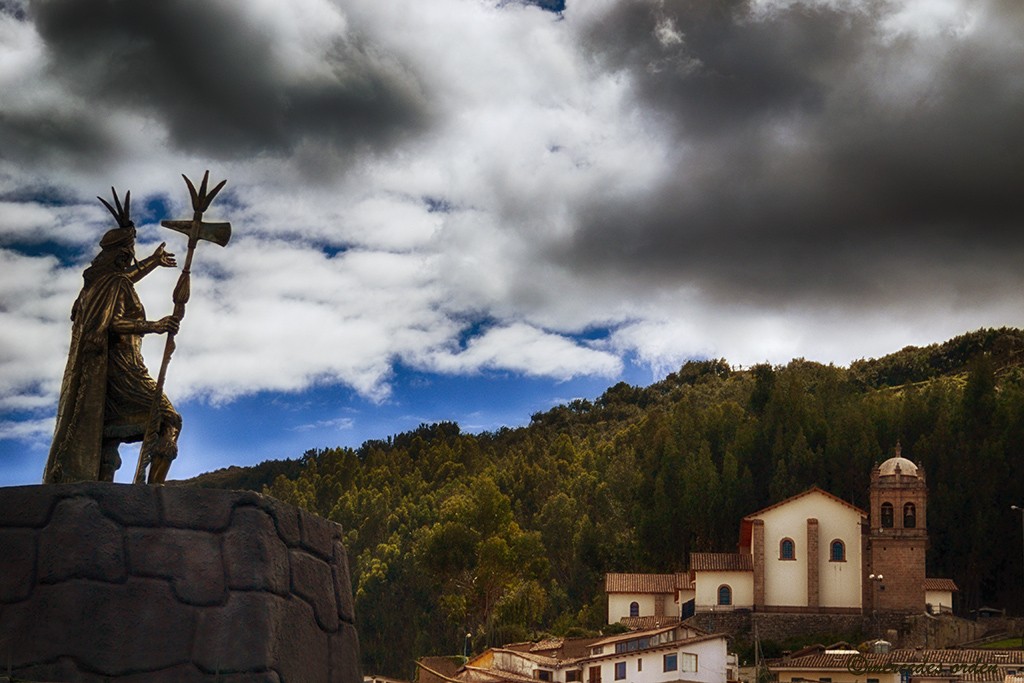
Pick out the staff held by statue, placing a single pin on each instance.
(196, 230)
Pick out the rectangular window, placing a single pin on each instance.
(620, 671)
(872, 680)
(671, 662)
(542, 675)
(574, 675)
(689, 663)
(639, 665)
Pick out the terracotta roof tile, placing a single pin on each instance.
(940, 585)
(640, 583)
(721, 562)
(649, 622)
(946, 658)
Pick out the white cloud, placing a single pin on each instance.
(348, 259)
(27, 430)
(339, 423)
(526, 349)
(35, 305)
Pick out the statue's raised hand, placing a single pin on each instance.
(164, 258)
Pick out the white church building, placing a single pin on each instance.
(811, 553)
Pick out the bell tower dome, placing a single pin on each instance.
(898, 537)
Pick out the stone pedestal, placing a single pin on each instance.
(112, 582)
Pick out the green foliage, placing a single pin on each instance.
(507, 535)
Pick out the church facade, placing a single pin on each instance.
(816, 553)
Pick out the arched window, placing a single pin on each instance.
(787, 549)
(909, 516)
(634, 609)
(837, 551)
(887, 515)
(724, 595)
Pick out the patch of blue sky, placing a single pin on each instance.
(66, 255)
(277, 425)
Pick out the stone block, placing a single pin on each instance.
(318, 535)
(263, 677)
(192, 508)
(127, 504)
(26, 505)
(312, 581)
(191, 560)
(258, 633)
(79, 542)
(345, 655)
(184, 673)
(286, 518)
(17, 564)
(255, 558)
(304, 654)
(343, 584)
(99, 587)
(239, 636)
(63, 669)
(116, 629)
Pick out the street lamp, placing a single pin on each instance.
(1017, 508)
(876, 582)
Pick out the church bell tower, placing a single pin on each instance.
(895, 562)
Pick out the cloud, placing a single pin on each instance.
(339, 423)
(462, 186)
(821, 150)
(35, 306)
(530, 351)
(229, 80)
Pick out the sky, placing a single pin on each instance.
(475, 210)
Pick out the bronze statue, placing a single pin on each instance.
(107, 397)
(107, 392)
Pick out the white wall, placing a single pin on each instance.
(837, 676)
(742, 584)
(839, 583)
(712, 660)
(937, 599)
(618, 605)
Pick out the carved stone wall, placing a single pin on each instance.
(111, 582)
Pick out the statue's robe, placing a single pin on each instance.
(106, 384)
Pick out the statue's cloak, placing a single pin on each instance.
(78, 435)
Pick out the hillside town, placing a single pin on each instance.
(810, 565)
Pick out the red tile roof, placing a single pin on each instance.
(940, 585)
(946, 658)
(721, 562)
(649, 622)
(646, 583)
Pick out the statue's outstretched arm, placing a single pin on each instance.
(159, 258)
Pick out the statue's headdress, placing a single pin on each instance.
(124, 234)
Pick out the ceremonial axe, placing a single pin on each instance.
(196, 230)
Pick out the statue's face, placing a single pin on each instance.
(125, 257)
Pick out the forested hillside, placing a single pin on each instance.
(509, 533)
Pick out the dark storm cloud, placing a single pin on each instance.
(819, 150)
(58, 138)
(215, 76)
